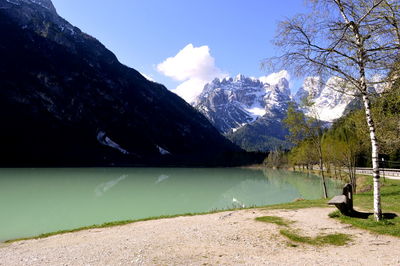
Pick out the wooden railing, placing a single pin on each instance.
(384, 172)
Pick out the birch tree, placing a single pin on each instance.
(355, 40)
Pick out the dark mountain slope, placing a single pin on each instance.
(265, 134)
(66, 100)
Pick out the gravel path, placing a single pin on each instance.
(232, 238)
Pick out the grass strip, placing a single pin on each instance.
(302, 204)
(275, 220)
(336, 239)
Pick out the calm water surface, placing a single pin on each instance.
(35, 201)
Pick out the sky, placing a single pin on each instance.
(185, 43)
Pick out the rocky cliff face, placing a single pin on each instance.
(44, 3)
(248, 110)
(231, 103)
(66, 100)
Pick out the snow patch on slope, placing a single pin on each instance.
(256, 111)
(163, 151)
(106, 141)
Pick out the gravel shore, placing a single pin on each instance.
(227, 238)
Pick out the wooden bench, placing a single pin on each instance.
(344, 202)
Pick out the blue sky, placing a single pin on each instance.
(223, 37)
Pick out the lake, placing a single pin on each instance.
(35, 201)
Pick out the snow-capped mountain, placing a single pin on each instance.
(329, 103)
(250, 111)
(231, 103)
(312, 87)
(277, 98)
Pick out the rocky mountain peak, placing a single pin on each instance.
(277, 98)
(240, 77)
(233, 102)
(43, 3)
(282, 87)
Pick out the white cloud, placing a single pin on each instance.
(194, 67)
(190, 89)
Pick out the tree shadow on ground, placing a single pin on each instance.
(389, 216)
(365, 215)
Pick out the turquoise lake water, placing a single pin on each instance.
(35, 201)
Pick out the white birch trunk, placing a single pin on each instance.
(375, 158)
(367, 107)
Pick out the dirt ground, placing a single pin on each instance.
(228, 238)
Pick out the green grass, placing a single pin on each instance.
(275, 220)
(336, 239)
(334, 214)
(385, 226)
(297, 205)
(293, 235)
(390, 197)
